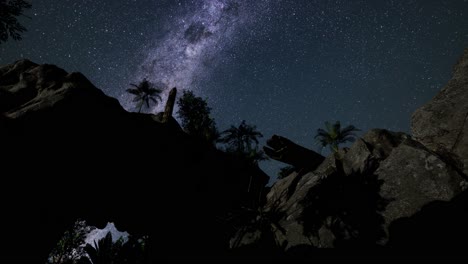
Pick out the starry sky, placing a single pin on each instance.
(284, 65)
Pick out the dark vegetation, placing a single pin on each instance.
(195, 117)
(334, 135)
(10, 27)
(215, 164)
(72, 249)
(240, 141)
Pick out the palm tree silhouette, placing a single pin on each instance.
(145, 93)
(333, 135)
(104, 251)
(240, 138)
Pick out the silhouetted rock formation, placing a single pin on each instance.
(69, 151)
(438, 229)
(354, 195)
(442, 124)
(169, 105)
(388, 194)
(284, 150)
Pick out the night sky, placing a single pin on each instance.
(285, 66)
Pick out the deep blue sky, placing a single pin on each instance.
(285, 66)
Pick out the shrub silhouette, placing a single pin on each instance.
(195, 115)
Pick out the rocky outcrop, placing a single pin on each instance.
(284, 150)
(351, 199)
(389, 192)
(68, 151)
(442, 123)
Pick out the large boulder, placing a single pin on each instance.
(442, 123)
(353, 197)
(412, 177)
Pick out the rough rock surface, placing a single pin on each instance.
(388, 192)
(354, 196)
(412, 177)
(442, 123)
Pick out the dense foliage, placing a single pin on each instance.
(9, 25)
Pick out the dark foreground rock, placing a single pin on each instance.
(354, 196)
(69, 151)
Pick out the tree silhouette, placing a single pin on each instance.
(70, 247)
(241, 138)
(145, 93)
(195, 115)
(105, 251)
(243, 141)
(9, 25)
(334, 135)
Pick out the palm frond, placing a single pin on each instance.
(140, 103)
(136, 86)
(328, 126)
(321, 133)
(337, 127)
(133, 91)
(324, 142)
(347, 139)
(157, 96)
(257, 134)
(147, 102)
(154, 100)
(152, 91)
(333, 135)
